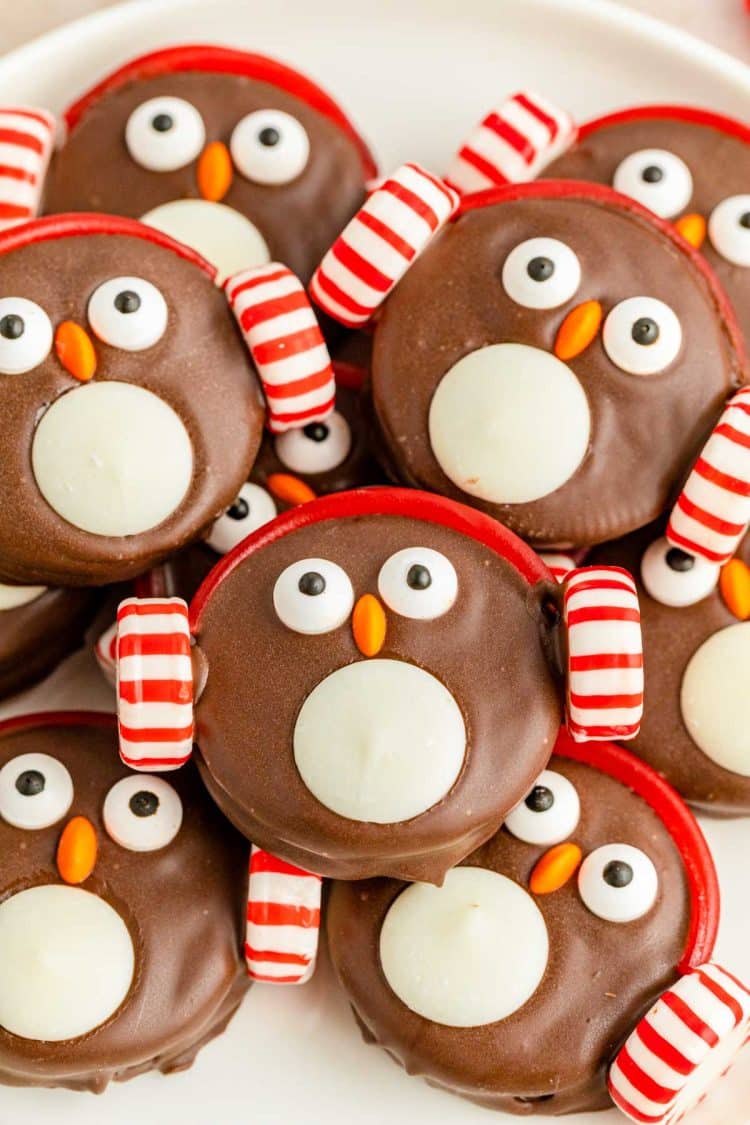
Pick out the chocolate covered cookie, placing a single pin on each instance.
(584, 924)
(39, 627)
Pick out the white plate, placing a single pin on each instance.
(414, 74)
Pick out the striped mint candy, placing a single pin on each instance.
(713, 510)
(26, 140)
(687, 1041)
(512, 144)
(605, 654)
(154, 683)
(371, 255)
(105, 651)
(560, 565)
(286, 344)
(283, 920)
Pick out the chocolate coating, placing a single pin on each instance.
(94, 171)
(183, 905)
(35, 637)
(550, 1056)
(200, 367)
(670, 638)
(509, 698)
(719, 164)
(645, 430)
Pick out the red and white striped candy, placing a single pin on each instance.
(712, 512)
(371, 255)
(512, 144)
(286, 344)
(105, 651)
(283, 920)
(26, 141)
(687, 1041)
(560, 565)
(605, 654)
(154, 683)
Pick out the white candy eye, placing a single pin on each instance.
(618, 883)
(313, 596)
(316, 448)
(270, 147)
(541, 273)
(164, 134)
(549, 813)
(142, 813)
(35, 791)
(729, 229)
(675, 578)
(25, 335)
(656, 178)
(642, 336)
(252, 508)
(128, 313)
(418, 583)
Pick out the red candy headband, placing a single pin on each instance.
(224, 60)
(691, 114)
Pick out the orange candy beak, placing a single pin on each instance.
(555, 868)
(75, 350)
(369, 625)
(214, 172)
(734, 584)
(578, 330)
(693, 229)
(76, 851)
(289, 489)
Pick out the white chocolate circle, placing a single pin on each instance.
(618, 904)
(420, 604)
(38, 810)
(142, 833)
(555, 290)
(270, 164)
(676, 587)
(13, 597)
(552, 825)
(227, 532)
(224, 237)
(465, 954)
(302, 454)
(728, 237)
(35, 342)
(715, 700)
(379, 741)
(172, 149)
(112, 458)
(133, 331)
(668, 196)
(509, 423)
(66, 963)
(641, 359)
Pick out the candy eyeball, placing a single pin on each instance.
(729, 229)
(419, 583)
(317, 447)
(128, 313)
(313, 596)
(656, 178)
(36, 791)
(270, 147)
(674, 577)
(164, 134)
(25, 335)
(253, 508)
(618, 883)
(549, 813)
(541, 273)
(642, 336)
(142, 813)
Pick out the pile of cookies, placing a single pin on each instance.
(307, 427)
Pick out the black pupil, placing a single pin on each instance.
(418, 577)
(618, 873)
(239, 509)
(645, 330)
(745, 220)
(127, 301)
(316, 431)
(163, 122)
(540, 799)
(12, 326)
(144, 803)
(540, 269)
(679, 560)
(30, 782)
(312, 584)
(269, 136)
(653, 174)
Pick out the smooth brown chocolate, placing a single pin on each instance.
(35, 637)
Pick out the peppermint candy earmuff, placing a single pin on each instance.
(559, 564)
(286, 344)
(512, 144)
(26, 142)
(283, 920)
(712, 512)
(398, 220)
